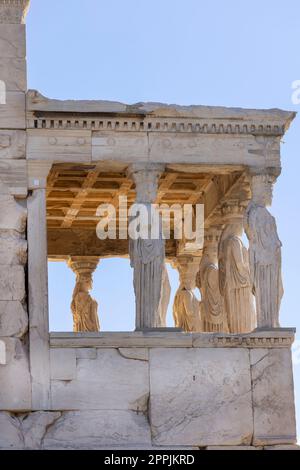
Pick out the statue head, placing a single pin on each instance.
(211, 242)
(233, 218)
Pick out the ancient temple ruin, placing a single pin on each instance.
(222, 375)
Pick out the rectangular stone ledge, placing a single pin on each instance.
(59, 145)
(273, 338)
(120, 340)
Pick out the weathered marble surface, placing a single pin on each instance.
(13, 73)
(12, 143)
(12, 114)
(200, 397)
(95, 429)
(273, 399)
(13, 319)
(35, 426)
(12, 214)
(12, 41)
(12, 283)
(109, 382)
(13, 249)
(13, 11)
(59, 145)
(24, 431)
(139, 354)
(13, 178)
(38, 102)
(63, 364)
(15, 390)
(123, 147)
(11, 437)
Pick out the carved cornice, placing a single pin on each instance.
(264, 339)
(196, 126)
(44, 113)
(246, 341)
(13, 11)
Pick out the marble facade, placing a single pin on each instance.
(222, 377)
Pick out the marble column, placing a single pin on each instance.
(234, 271)
(38, 285)
(147, 253)
(84, 307)
(212, 303)
(186, 308)
(265, 252)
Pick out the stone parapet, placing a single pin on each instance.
(278, 338)
(153, 396)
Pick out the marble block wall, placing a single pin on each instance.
(160, 397)
(15, 386)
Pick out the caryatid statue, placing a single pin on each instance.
(186, 308)
(84, 307)
(212, 303)
(234, 273)
(265, 253)
(147, 252)
(164, 298)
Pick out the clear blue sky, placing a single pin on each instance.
(229, 53)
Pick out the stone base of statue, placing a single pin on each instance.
(158, 390)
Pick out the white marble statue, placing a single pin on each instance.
(147, 255)
(186, 308)
(212, 304)
(147, 259)
(235, 282)
(265, 253)
(84, 307)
